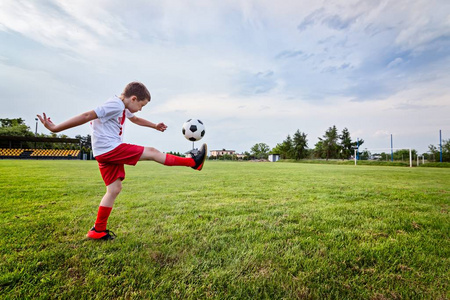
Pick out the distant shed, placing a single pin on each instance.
(274, 157)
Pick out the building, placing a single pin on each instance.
(222, 152)
(274, 157)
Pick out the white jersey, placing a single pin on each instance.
(107, 129)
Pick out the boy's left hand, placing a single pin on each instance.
(47, 122)
(161, 127)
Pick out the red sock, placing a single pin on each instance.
(173, 160)
(102, 218)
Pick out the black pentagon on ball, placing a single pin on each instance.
(183, 131)
(199, 121)
(203, 133)
(193, 128)
(192, 139)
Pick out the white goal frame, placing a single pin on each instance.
(418, 159)
(384, 149)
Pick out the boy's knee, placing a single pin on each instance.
(116, 187)
(149, 153)
(150, 150)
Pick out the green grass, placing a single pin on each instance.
(437, 165)
(368, 163)
(350, 162)
(236, 230)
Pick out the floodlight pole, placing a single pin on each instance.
(440, 144)
(35, 132)
(357, 147)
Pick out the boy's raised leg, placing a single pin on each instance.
(151, 153)
(196, 161)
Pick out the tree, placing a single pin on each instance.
(403, 154)
(346, 144)
(365, 155)
(358, 144)
(176, 154)
(260, 150)
(329, 146)
(295, 147)
(285, 149)
(300, 145)
(14, 127)
(85, 141)
(246, 155)
(435, 151)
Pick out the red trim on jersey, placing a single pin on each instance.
(121, 121)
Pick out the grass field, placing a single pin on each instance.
(236, 230)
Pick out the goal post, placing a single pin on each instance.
(385, 151)
(418, 159)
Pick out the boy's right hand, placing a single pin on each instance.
(161, 127)
(47, 122)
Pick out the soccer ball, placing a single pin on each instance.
(193, 130)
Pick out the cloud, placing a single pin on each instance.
(256, 83)
(287, 54)
(368, 50)
(397, 61)
(52, 25)
(338, 23)
(381, 133)
(311, 19)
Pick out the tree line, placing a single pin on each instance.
(17, 127)
(332, 145)
(338, 145)
(435, 151)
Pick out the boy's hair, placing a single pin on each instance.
(137, 89)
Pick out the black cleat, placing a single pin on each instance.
(199, 157)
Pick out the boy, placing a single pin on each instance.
(112, 154)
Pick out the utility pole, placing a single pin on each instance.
(35, 132)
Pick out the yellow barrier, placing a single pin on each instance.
(40, 152)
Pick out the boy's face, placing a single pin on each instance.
(135, 105)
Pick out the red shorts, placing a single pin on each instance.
(112, 163)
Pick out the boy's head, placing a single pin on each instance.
(137, 89)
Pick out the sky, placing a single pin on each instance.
(252, 71)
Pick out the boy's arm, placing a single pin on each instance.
(143, 122)
(72, 122)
